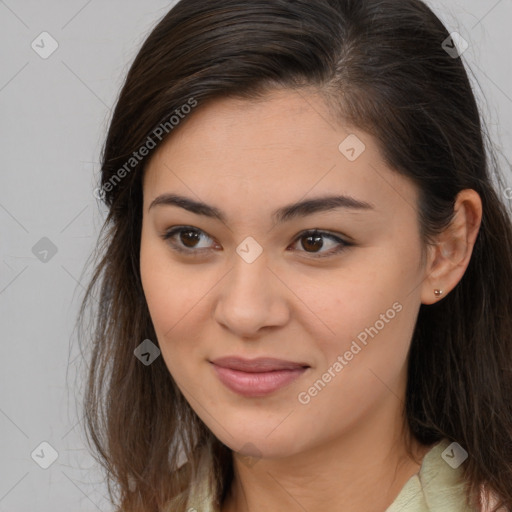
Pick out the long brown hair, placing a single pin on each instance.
(381, 66)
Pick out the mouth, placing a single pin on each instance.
(257, 377)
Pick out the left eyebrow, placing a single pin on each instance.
(284, 214)
(320, 204)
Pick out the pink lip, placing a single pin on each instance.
(256, 377)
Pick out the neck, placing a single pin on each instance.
(365, 469)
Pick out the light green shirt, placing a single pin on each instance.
(437, 487)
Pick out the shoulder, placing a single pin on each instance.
(199, 496)
(439, 486)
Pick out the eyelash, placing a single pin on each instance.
(169, 235)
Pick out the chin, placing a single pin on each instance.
(260, 442)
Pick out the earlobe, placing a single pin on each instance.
(438, 293)
(452, 252)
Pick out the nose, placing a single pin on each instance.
(251, 297)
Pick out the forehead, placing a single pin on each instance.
(283, 119)
(278, 149)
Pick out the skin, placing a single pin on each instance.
(345, 448)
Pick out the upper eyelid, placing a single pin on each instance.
(177, 229)
(171, 232)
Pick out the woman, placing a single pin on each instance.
(305, 295)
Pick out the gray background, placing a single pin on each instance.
(54, 115)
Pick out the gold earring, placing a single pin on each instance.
(438, 293)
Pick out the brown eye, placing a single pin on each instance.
(313, 241)
(187, 240)
(189, 237)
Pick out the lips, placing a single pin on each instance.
(261, 364)
(257, 377)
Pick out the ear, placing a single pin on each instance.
(449, 258)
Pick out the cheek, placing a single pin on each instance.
(367, 316)
(342, 303)
(170, 292)
(171, 289)
(363, 366)
(170, 313)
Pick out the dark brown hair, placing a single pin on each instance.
(380, 66)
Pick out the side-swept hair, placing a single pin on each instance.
(380, 66)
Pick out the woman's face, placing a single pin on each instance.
(245, 277)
